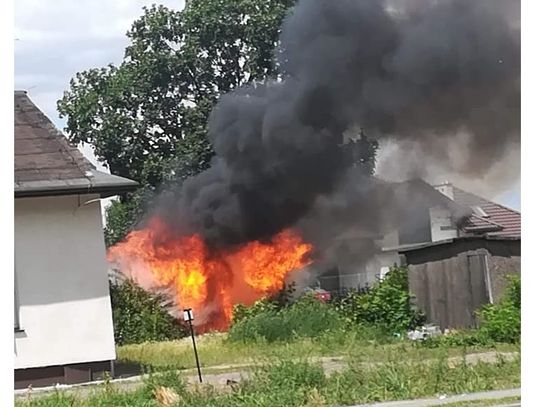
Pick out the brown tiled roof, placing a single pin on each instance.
(500, 220)
(479, 224)
(47, 164)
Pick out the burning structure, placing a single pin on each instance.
(279, 194)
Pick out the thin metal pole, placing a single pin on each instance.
(195, 349)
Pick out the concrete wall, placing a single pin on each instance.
(442, 225)
(500, 267)
(353, 276)
(62, 287)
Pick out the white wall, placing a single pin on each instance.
(387, 259)
(442, 225)
(62, 285)
(446, 189)
(371, 272)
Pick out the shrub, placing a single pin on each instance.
(502, 322)
(139, 316)
(241, 312)
(388, 304)
(307, 318)
(281, 299)
(513, 291)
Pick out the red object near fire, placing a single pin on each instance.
(320, 294)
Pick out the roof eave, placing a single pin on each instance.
(407, 248)
(483, 228)
(104, 191)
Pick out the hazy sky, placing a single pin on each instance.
(56, 39)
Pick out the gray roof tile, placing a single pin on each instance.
(47, 164)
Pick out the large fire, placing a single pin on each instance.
(210, 282)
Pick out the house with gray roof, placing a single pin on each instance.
(63, 321)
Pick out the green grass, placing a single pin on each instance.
(398, 379)
(215, 350)
(302, 384)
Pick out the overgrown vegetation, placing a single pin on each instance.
(217, 352)
(299, 383)
(502, 322)
(382, 313)
(384, 310)
(388, 305)
(305, 318)
(291, 335)
(139, 316)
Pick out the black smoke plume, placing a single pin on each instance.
(423, 71)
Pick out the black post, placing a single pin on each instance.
(195, 349)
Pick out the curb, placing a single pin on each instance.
(486, 395)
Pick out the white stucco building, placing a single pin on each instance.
(63, 321)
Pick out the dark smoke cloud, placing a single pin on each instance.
(423, 72)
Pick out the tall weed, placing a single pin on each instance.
(306, 318)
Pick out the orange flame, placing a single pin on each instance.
(209, 282)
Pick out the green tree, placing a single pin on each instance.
(361, 152)
(146, 118)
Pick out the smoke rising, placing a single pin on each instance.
(419, 72)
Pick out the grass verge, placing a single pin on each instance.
(218, 350)
(302, 384)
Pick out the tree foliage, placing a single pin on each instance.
(361, 152)
(148, 115)
(123, 215)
